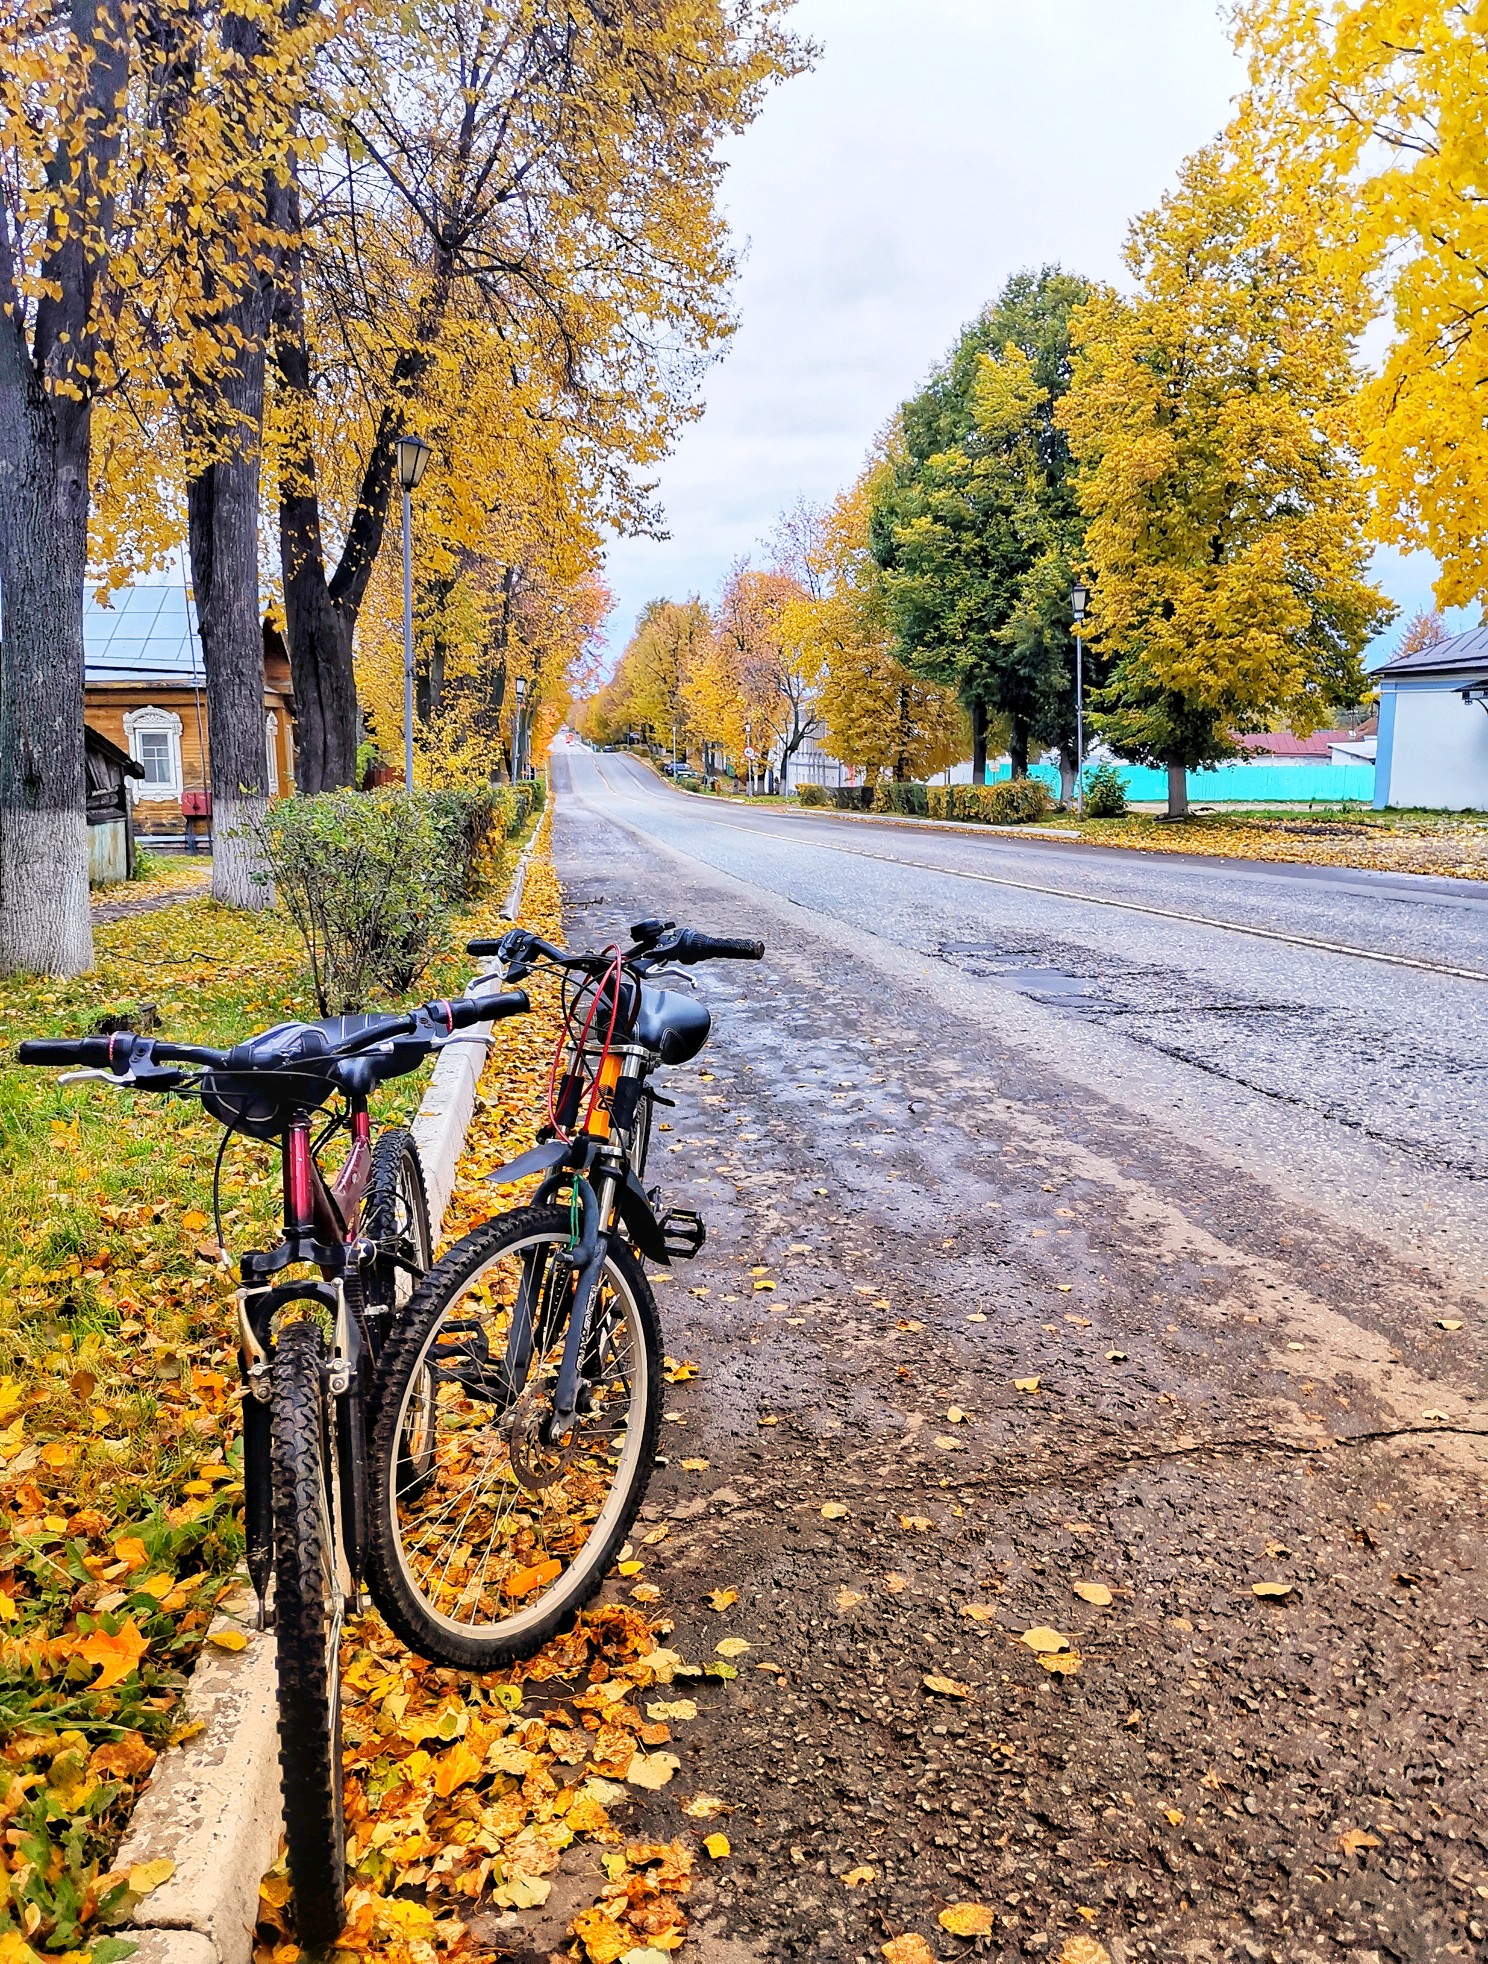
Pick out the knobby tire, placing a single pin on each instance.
(307, 1619)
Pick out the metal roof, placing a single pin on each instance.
(141, 633)
(1451, 657)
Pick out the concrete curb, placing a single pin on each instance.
(212, 1805)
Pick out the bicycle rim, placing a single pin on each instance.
(506, 1530)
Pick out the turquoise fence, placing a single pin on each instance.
(1256, 784)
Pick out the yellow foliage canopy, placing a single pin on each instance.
(1386, 103)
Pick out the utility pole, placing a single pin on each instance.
(1079, 601)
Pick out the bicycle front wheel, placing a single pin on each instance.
(308, 1604)
(494, 1543)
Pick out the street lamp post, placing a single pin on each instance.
(749, 756)
(519, 732)
(1079, 601)
(413, 455)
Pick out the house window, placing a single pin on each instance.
(154, 739)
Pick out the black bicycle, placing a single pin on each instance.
(309, 1349)
(521, 1395)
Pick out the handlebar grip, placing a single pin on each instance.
(694, 947)
(63, 1050)
(465, 1010)
(483, 948)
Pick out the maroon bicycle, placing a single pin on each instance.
(309, 1346)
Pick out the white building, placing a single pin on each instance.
(1433, 727)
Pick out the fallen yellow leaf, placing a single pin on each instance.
(722, 1598)
(966, 1920)
(651, 1770)
(908, 1949)
(979, 1612)
(1044, 1641)
(1064, 1663)
(1083, 1950)
(228, 1639)
(717, 1846)
(915, 1524)
(1353, 1841)
(847, 1599)
(855, 1878)
(116, 1656)
(731, 1646)
(945, 1687)
(703, 1807)
(1272, 1591)
(1094, 1592)
(1026, 1384)
(833, 1511)
(146, 1876)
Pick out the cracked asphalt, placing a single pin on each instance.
(1050, 1244)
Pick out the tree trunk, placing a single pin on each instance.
(979, 743)
(1177, 791)
(1066, 775)
(1018, 747)
(46, 925)
(222, 532)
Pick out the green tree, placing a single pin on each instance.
(1212, 421)
(975, 523)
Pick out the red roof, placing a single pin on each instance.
(1281, 743)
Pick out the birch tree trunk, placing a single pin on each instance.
(222, 532)
(46, 924)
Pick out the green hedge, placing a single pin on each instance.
(372, 880)
(908, 800)
(812, 794)
(1013, 802)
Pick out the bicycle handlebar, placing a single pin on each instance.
(656, 944)
(124, 1052)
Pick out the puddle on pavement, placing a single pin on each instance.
(1012, 968)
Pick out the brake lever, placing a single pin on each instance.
(96, 1077)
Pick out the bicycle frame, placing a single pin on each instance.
(322, 1227)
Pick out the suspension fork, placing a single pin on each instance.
(588, 1259)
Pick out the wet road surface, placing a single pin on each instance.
(1124, 1280)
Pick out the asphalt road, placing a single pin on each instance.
(1056, 1243)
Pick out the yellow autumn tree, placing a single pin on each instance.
(1212, 420)
(877, 714)
(1386, 104)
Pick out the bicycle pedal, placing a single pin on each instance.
(683, 1233)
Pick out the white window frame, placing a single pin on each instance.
(271, 744)
(162, 720)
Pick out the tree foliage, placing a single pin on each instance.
(1386, 105)
(974, 522)
(878, 714)
(1212, 420)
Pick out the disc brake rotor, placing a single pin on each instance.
(536, 1463)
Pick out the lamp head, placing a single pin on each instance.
(521, 687)
(1079, 600)
(413, 455)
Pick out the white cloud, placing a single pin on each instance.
(938, 147)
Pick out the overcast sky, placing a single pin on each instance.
(880, 201)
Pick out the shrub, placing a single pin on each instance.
(851, 797)
(1012, 802)
(1105, 792)
(812, 794)
(370, 880)
(909, 800)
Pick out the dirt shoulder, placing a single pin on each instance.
(972, 1355)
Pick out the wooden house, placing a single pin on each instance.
(146, 693)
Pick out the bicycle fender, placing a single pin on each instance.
(641, 1222)
(539, 1160)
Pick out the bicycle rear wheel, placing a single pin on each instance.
(396, 1211)
(507, 1536)
(308, 1605)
